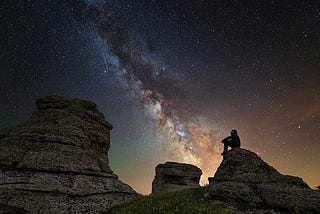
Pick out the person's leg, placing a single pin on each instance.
(225, 148)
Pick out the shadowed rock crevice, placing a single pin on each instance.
(57, 161)
(244, 177)
(5, 168)
(72, 195)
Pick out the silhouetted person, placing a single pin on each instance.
(233, 141)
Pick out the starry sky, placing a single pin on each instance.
(173, 77)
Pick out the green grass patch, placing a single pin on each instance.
(180, 202)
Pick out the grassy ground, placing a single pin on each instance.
(185, 201)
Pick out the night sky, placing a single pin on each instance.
(173, 77)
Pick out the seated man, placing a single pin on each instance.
(233, 141)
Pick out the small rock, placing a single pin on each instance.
(173, 176)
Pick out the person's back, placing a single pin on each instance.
(235, 142)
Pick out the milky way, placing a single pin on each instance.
(173, 77)
(186, 133)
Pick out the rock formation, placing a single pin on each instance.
(173, 176)
(244, 177)
(57, 161)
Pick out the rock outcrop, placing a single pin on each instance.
(57, 161)
(173, 176)
(245, 177)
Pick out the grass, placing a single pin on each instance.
(180, 202)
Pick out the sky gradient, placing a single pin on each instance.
(174, 77)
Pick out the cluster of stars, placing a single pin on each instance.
(174, 74)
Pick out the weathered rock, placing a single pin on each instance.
(234, 191)
(245, 177)
(173, 176)
(57, 161)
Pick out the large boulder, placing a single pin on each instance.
(244, 177)
(173, 176)
(57, 161)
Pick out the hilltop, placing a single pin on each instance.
(243, 183)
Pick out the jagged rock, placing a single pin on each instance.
(173, 176)
(57, 161)
(245, 177)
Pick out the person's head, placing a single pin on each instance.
(234, 132)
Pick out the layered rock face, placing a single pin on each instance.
(173, 176)
(244, 177)
(57, 161)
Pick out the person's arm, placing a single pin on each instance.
(226, 139)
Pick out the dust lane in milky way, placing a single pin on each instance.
(173, 77)
(186, 133)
